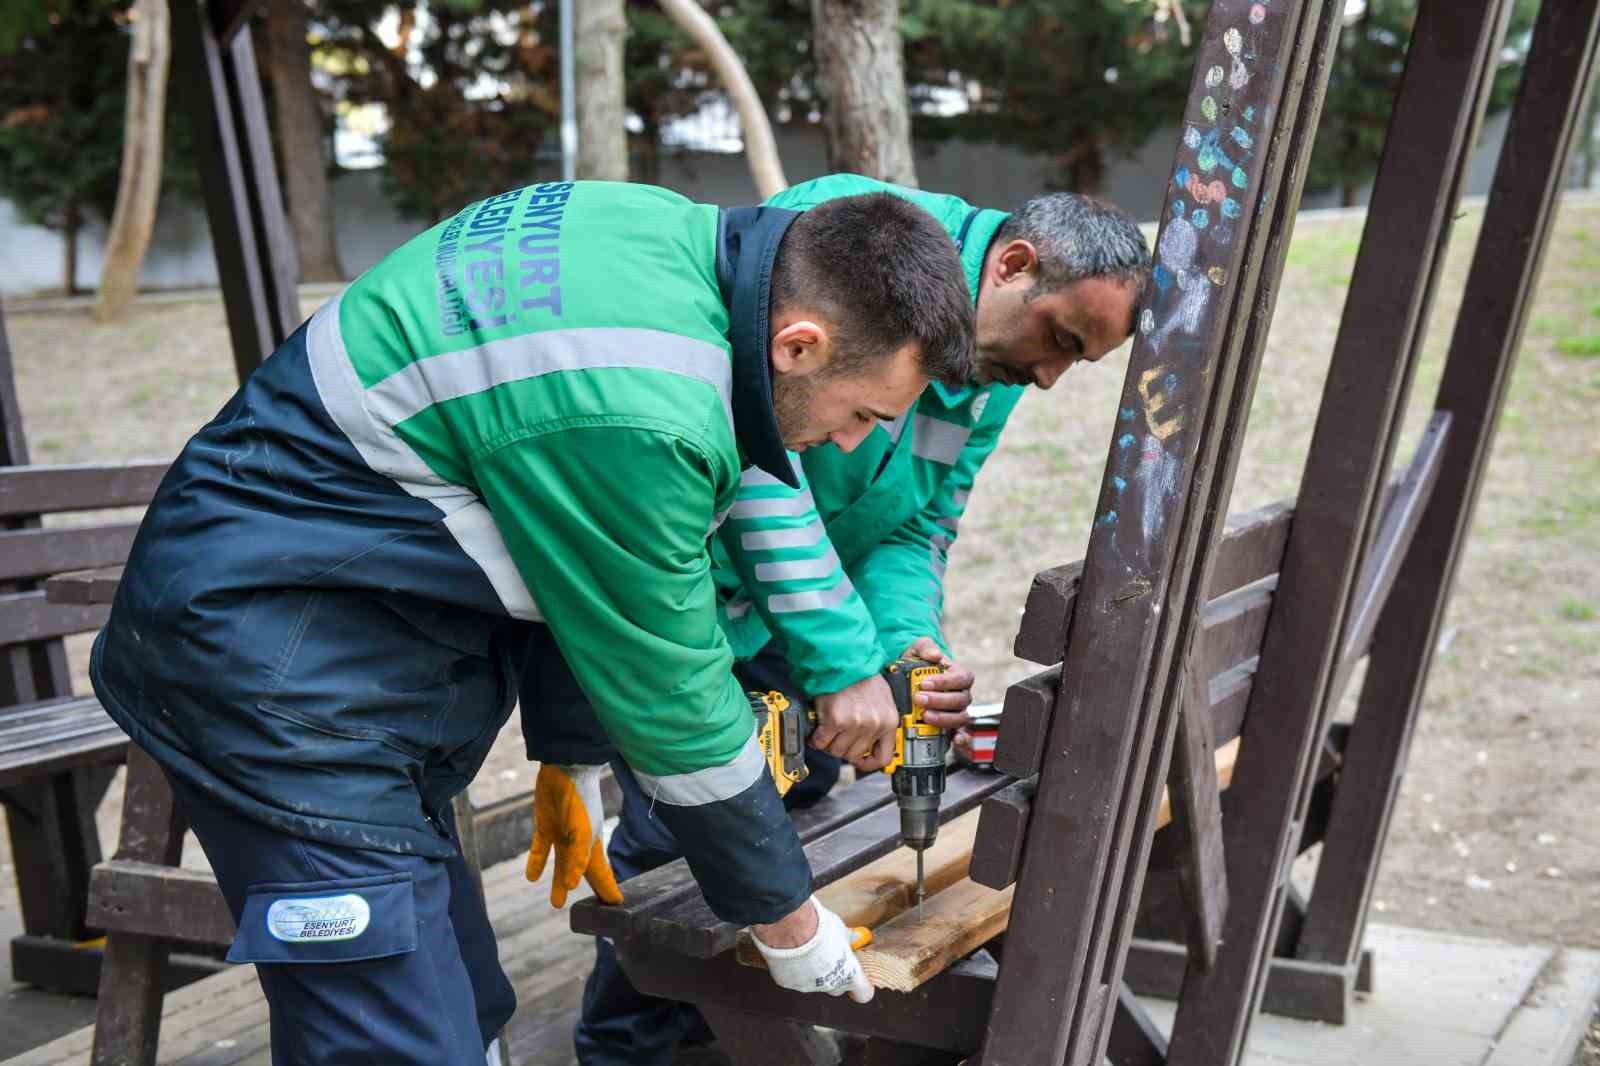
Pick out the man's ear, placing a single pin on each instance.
(1019, 259)
(800, 346)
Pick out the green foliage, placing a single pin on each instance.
(1575, 610)
(61, 102)
(62, 95)
(1584, 347)
(1079, 82)
(1365, 77)
(470, 90)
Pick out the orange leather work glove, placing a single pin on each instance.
(568, 820)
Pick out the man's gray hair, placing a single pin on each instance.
(1079, 237)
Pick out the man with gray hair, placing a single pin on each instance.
(822, 584)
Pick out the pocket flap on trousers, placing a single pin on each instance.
(327, 921)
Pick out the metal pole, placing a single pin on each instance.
(569, 97)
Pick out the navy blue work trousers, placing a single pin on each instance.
(621, 1026)
(365, 956)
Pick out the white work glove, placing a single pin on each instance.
(825, 963)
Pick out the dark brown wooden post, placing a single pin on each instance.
(1435, 117)
(1185, 400)
(128, 1020)
(1488, 332)
(233, 147)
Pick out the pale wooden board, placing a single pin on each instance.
(908, 949)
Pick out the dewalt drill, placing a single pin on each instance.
(916, 770)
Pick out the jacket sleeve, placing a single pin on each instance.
(789, 569)
(615, 555)
(902, 578)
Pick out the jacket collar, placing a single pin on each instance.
(747, 245)
(977, 232)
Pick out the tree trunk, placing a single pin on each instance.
(302, 140)
(139, 183)
(760, 147)
(71, 222)
(602, 137)
(862, 77)
(1350, 195)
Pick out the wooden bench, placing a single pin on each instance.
(58, 748)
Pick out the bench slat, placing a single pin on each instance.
(28, 616)
(26, 553)
(106, 746)
(31, 490)
(1250, 549)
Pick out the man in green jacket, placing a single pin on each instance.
(533, 415)
(823, 583)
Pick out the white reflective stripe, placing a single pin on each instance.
(894, 428)
(474, 529)
(940, 542)
(938, 442)
(466, 517)
(717, 520)
(767, 539)
(959, 498)
(472, 370)
(950, 523)
(798, 569)
(775, 506)
(736, 609)
(754, 475)
(711, 785)
(820, 600)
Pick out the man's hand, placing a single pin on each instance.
(567, 819)
(809, 951)
(948, 695)
(858, 723)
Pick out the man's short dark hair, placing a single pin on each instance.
(1078, 237)
(884, 273)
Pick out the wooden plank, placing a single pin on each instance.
(1389, 549)
(690, 928)
(103, 746)
(1194, 803)
(84, 586)
(1135, 1038)
(1232, 626)
(998, 854)
(1002, 834)
(26, 553)
(153, 899)
(752, 1039)
(1505, 267)
(886, 887)
(1294, 989)
(908, 950)
(1025, 723)
(205, 66)
(656, 890)
(960, 997)
(1435, 117)
(27, 616)
(1304, 56)
(49, 489)
(1251, 548)
(128, 1015)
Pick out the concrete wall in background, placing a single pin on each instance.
(368, 227)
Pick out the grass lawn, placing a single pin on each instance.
(1494, 832)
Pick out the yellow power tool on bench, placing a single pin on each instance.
(916, 771)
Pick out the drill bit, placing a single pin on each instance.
(921, 891)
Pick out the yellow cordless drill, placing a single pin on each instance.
(916, 771)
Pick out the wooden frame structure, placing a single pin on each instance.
(1173, 636)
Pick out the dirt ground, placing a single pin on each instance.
(1493, 835)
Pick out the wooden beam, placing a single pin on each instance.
(1543, 124)
(1400, 521)
(1435, 117)
(1019, 749)
(1194, 804)
(909, 950)
(31, 490)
